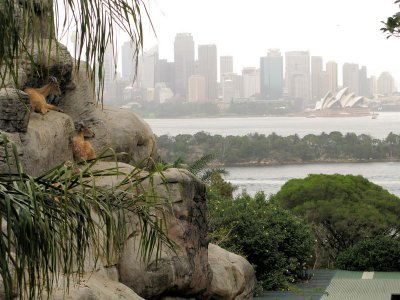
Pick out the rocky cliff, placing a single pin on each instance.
(195, 269)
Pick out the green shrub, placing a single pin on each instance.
(381, 253)
(277, 243)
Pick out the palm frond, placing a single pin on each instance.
(29, 29)
(50, 222)
(200, 163)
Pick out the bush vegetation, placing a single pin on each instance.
(259, 149)
(277, 243)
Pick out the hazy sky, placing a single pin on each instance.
(340, 30)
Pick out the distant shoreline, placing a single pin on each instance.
(293, 163)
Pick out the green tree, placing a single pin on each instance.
(380, 253)
(392, 24)
(342, 209)
(271, 238)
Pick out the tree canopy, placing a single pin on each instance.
(392, 24)
(343, 209)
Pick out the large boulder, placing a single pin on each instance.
(233, 276)
(14, 110)
(182, 272)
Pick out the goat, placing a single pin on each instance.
(83, 150)
(38, 96)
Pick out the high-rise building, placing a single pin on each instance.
(207, 62)
(271, 75)
(251, 82)
(373, 86)
(128, 61)
(225, 66)
(148, 68)
(108, 66)
(166, 73)
(363, 81)
(197, 88)
(316, 71)
(183, 62)
(385, 84)
(297, 75)
(332, 71)
(324, 83)
(231, 87)
(351, 78)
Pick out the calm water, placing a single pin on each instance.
(378, 128)
(270, 179)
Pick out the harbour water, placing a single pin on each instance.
(380, 127)
(270, 179)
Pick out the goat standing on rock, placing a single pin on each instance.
(83, 150)
(38, 96)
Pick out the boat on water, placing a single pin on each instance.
(374, 115)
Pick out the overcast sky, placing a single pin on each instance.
(340, 30)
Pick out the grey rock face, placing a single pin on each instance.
(14, 110)
(233, 276)
(184, 273)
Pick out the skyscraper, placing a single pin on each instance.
(128, 61)
(316, 71)
(332, 71)
(363, 81)
(271, 75)
(166, 73)
(251, 82)
(351, 78)
(297, 75)
(197, 88)
(385, 84)
(148, 68)
(207, 60)
(225, 66)
(184, 63)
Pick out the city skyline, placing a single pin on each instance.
(342, 31)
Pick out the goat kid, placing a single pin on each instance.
(38, 96)
(83, 150)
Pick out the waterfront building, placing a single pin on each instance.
(251, 82)
(207, 67)
(197, 88)
(128, 61)
(385, 84)
(297, 75)
(332, 71)
(316, 71)
(183, 63)
(271, 75)
(363, 82)
(351, 77)
(225, 66)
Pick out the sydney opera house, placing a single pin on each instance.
(342, 104)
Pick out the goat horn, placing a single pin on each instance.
(53, 79)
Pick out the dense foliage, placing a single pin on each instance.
(258, 148)
(343, 209)
(271, 238)
(392, 24)
(376, 254)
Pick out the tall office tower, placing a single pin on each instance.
(166, 73)
(207, 60)
(363, 81)
(271, 75)
(324, 84)
(385, 84)
(316, 71)
(148, 68)
(251, 82)
(332, 70)
(373, 86)
(225, 66)
(297, 75)
(351, 78)
(108, 66)
(128, 61)
(184, 63)
(197, 88)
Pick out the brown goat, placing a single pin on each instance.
(38, 96)
(83, 150)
